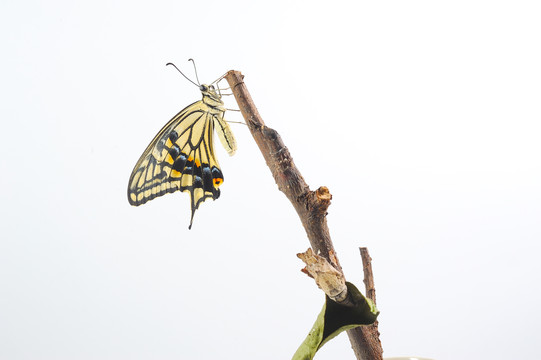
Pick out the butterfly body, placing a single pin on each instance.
(181, 156)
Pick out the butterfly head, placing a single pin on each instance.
(210, 95)
(208, 90)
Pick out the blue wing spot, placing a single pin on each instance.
(174, 151)
(180, 162)
(173, 136)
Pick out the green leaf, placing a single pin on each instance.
(335, 318)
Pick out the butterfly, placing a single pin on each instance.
(181, 156)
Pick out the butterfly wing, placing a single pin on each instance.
(180, 157)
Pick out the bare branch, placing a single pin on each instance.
(368, 342)
(310, 205)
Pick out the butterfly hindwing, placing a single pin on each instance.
(180, 157)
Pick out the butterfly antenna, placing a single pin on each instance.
(187, 78)
(195, 69)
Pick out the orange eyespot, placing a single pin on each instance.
(217, 182)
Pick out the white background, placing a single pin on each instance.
(422, 118)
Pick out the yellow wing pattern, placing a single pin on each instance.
(181, 156)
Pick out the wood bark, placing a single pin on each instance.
(311, 206)
(368, 336)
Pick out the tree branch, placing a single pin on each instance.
(311, 206)
(368, 336)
